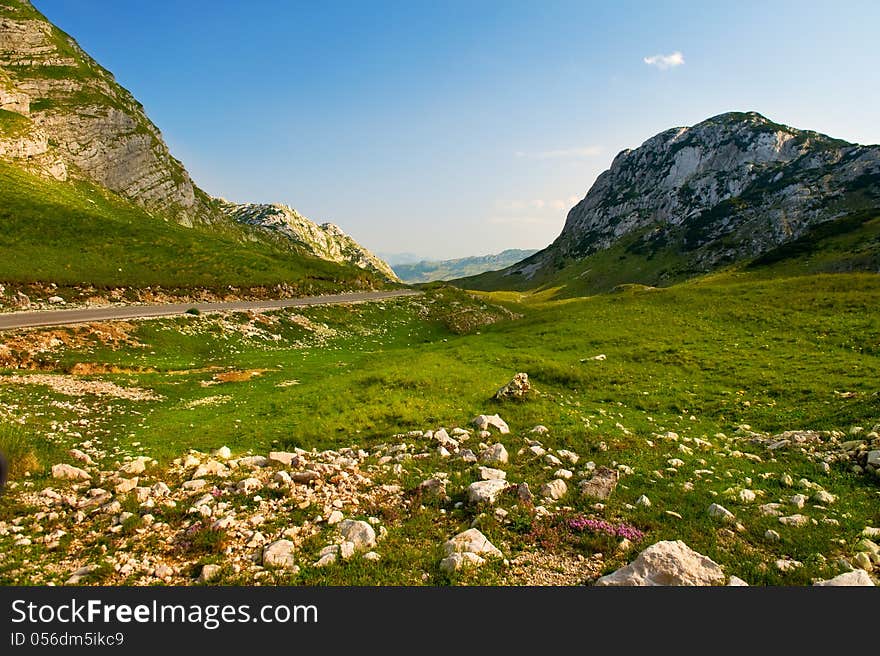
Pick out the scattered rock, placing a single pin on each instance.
(471, 541)
(459, 561)
(795, 520)
(485, 491)
(857, 577)
(555, 489)
(667, 563)
(483, 422)
(279, 554)
(721, 513)
(643, 501)
(494, 455)
(69, 473)
(601, 484)
(360, 533)
(518, 388)
(489, 474)
(80, 574)
(209, 573)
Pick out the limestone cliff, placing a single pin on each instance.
(731, 187)
(326, 241)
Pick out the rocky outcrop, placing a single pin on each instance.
(326, 241)
(734, 186)
(95, 127)
(667, 563)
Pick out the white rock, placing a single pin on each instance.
(643, 501)
(786, 565)
(210, 468)
(747, 496)
(857, 577)
(721, 513)
(489, 474)
(795, 520)
(555, 489)
(249, 485)
(335, 517)
(209, 573)
(279, 554)
(371, 556)
(459, 561)
(539, 429)
(494, 455)
(667, 563)
(471, 541)
(483, 422)
(485, 491)
(798, 500)
(771, 536)
(360, 533)
(824, 498)
(76, 454)
(282, 458)
(736, 582)
(134, 467)
(80, 574)
(563, 473)
(571, 456)
(67, 472)
(223, 452)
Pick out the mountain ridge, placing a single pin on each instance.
(64, 117)
(439, 270)
(729, 188)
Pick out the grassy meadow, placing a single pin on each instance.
(710, 360)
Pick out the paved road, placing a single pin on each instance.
(83, 315)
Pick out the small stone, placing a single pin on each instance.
(721, 513)
(371, 556)
(555, 489)
(786, 565)
(283, 458)
(795, 520)
(643, 501)
(489, 474)
(824, 498)
(360, 533)
(798, 500)
(518, 388)
(601, 484)
(126, 485)
(736, 582)
(223, 452)
(485, 491)
(495, 454)
(471, 541)
(249, 485)
(335, 517)
(747, 496)
(279, 554)
(483, 422)
(163, 572)
(771, 536)
(564, 474)
(459, 561)
(863, 561)
(69, 473)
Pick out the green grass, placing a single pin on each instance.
(79, 234)
(700, 358)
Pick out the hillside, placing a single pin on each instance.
(64, 119)
(433, 270)
(692, 200)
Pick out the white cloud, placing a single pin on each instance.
(665, 62)
(524, 220)
(563, 153)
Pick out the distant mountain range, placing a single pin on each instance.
(691, 200)
(433, 270)
(70, 134)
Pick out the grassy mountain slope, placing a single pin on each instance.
(80, 234)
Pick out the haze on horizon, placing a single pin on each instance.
(456, 130)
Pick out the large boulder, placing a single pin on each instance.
(858, 577)
(667, 563)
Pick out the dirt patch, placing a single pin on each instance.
(36, 348)
(94, 368)
(72, 386)
(238, 376)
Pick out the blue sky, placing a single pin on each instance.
(461, 128)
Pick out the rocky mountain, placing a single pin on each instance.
(326, 241)
(64, 117)
(432, 270)
(696, 198)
